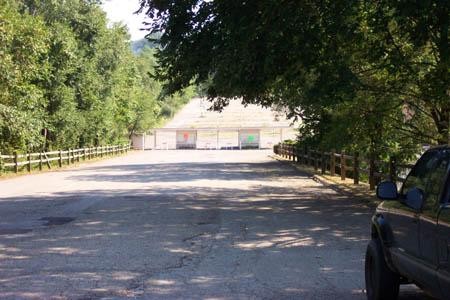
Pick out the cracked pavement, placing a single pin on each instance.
(181, 225)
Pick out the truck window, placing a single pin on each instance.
(435, 186)
(418, 176)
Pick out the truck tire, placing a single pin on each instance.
(381, 282)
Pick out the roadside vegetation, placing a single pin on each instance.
(67, 80)
(367, 76)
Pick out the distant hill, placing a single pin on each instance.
(197, 115)
(138, 45)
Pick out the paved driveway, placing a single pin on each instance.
(181, 225)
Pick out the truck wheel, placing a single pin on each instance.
(381, 282)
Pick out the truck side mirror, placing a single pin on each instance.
(387, 190)
(414, 198)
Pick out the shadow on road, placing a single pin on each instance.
(255, 238)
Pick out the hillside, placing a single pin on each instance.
(220, 130)
(196, 115)
(137, 46)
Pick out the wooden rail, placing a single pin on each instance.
(62, 157)
(347, 166)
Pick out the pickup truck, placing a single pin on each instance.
(411, 231)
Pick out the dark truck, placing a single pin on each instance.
(411, 231)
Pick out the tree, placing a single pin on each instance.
(69, 80)
(318, 59)
(23, 66)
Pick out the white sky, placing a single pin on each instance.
(122, 11)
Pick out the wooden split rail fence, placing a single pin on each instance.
(347, 166)
(16, 161)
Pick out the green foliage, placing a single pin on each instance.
(364, 75)
(23, 66)
(69, 80)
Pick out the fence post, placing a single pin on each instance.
(310, 160)
(1, 164)
(28, 157)
(392, 170)
(68, 156)
(371, 173)
(84, 153)
(60, 159)
(332, 163)
(305, 155)
(323, 164)
(343, 165)
(293, 152)
(356, 168)
(40, 161)
(316, 161)
(16, 165)
(78, 155)
(101, 151)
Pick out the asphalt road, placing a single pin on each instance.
(181, 225)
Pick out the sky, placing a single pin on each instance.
(122, 11)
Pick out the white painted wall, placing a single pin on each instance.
(249, 138)
(186, 139)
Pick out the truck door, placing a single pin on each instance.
(428, 231)
(404, 220)
(443, 242)
(444, 251)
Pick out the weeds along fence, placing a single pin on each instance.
(38, 161)
(353, 166)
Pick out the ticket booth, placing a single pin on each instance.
(249, 139)
(186, 139)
